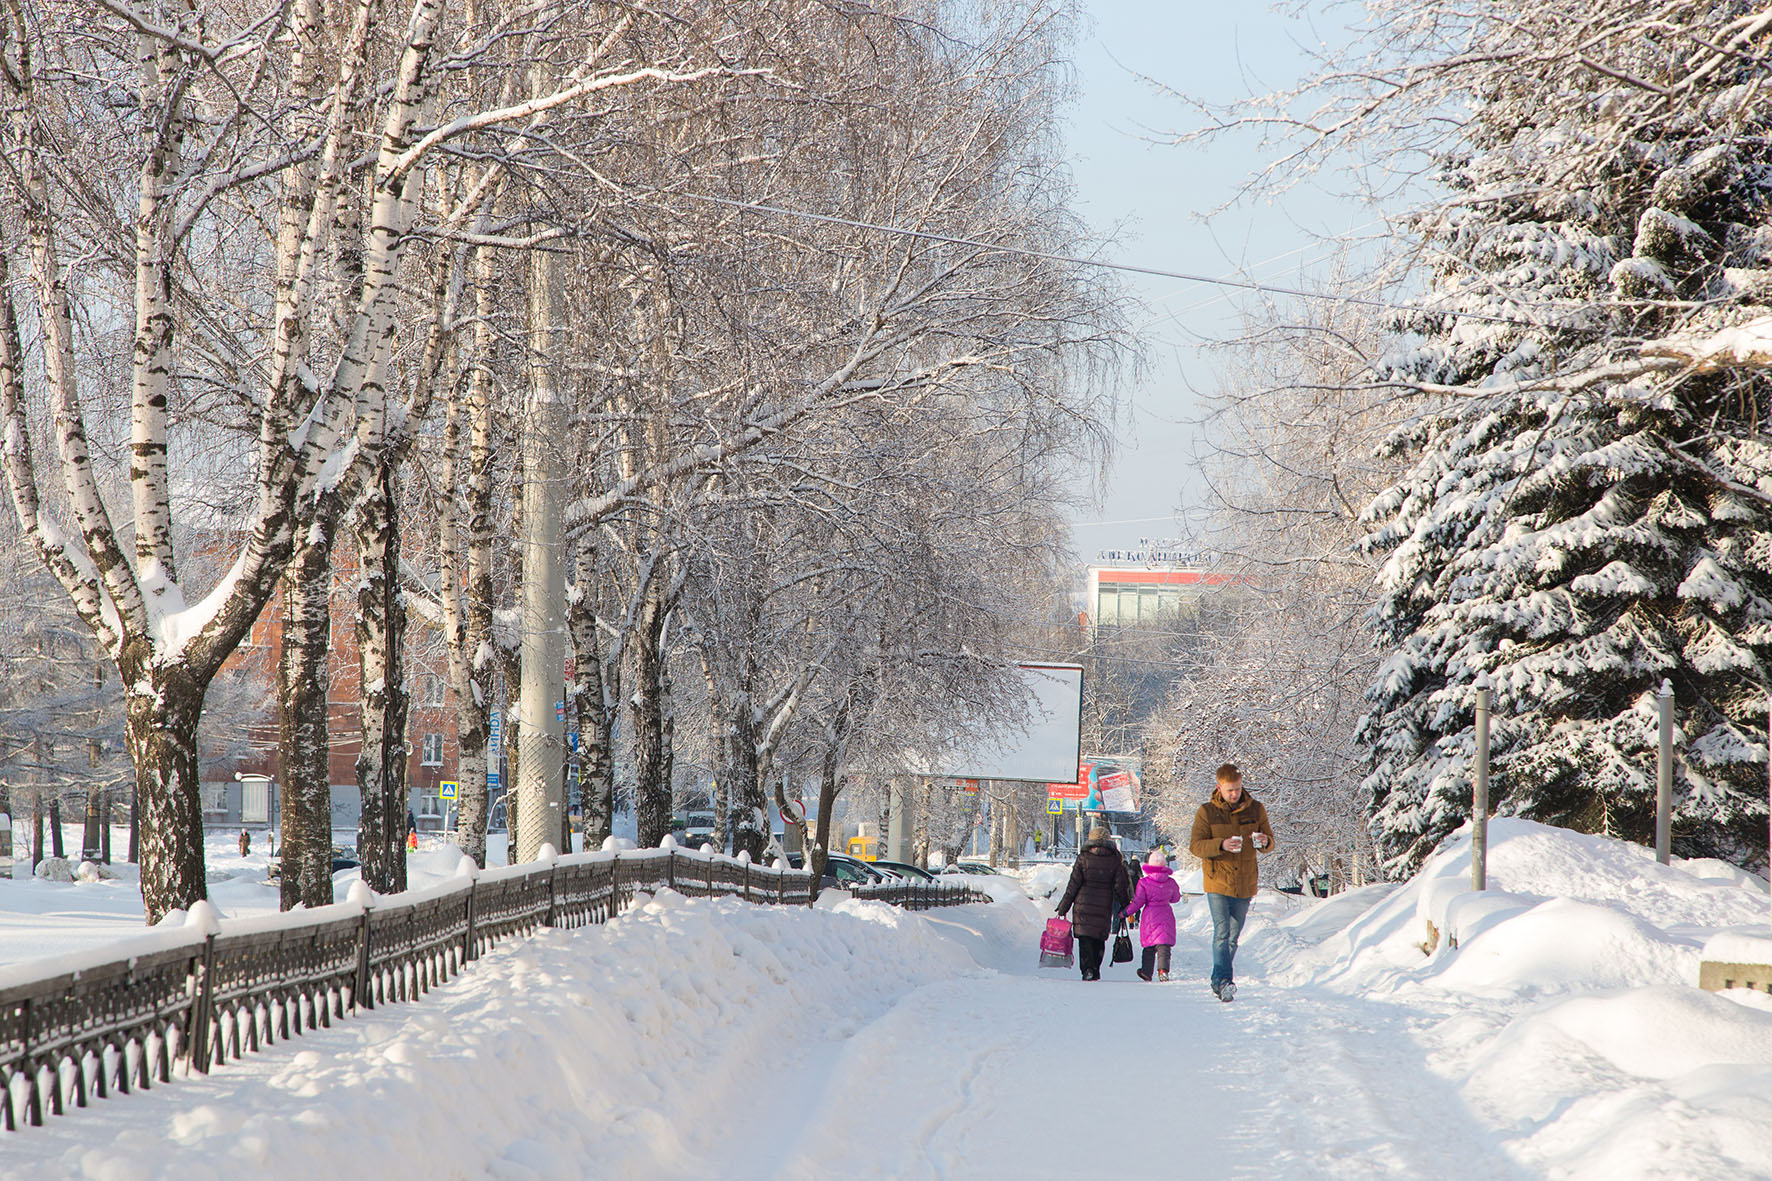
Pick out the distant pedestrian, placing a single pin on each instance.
(245, 842)
(411, 822)
(1098, 888)
(1230, 829)
(1153, 900)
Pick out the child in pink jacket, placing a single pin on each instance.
(1156, 895)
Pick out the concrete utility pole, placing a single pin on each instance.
(541, 756)
(1480, 793)
(1664, 774)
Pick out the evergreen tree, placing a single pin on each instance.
(1575, 524)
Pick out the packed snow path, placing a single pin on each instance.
(1012, 1075)
(716, 1039)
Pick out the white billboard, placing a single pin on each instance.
(1042, 748)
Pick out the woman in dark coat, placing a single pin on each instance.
(1098, 889)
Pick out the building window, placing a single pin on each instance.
(430, 690)
(432, 755)
(215, 798)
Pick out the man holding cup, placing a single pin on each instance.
(1230, 832)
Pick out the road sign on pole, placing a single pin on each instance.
(448, 789)
(1054, 807)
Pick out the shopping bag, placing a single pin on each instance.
(1122, 948)
(1055, 944)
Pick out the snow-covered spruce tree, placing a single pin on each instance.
(1577, 524)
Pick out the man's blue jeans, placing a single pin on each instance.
(1227, 923)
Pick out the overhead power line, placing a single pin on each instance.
(1130, 268)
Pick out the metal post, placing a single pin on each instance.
(1664, 773)
(1480, 800)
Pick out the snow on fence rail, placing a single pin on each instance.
(110, 1019)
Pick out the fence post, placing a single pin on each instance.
(745, 880)
(362, 996)
(1480, 792)
(34, 1101)
(553, 894)
(671, 868)
(467, 940)
(1664, 773)
(615, 898)
(202, 1005)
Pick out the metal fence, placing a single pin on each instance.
(921, 895)
(88, 1025)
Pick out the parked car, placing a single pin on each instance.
(967, 867)
(693, 828)
(905, 869)
(843, 872)
(343, 857)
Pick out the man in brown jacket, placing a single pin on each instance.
(1230, 831)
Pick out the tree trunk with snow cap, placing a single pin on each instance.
(163, 708)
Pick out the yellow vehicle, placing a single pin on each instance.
(864, 848)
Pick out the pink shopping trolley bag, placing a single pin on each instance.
(1055, 944)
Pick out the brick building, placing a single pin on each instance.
(431, 742)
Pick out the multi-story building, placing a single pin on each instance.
(1156, 580)
(234, 787)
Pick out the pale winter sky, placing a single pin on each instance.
(1156, 194)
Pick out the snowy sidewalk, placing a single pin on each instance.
(1017, 1076)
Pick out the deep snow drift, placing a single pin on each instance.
(1568, 1011)
(1562, 1036)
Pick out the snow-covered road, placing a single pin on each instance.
(713, 1039)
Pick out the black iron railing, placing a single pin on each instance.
(113, 1019)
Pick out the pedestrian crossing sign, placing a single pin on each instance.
(447, 789)
(1054, 807)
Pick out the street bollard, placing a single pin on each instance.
(1480, 794)
(1664, 773)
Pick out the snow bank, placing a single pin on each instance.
(1042, 880)
(1739, 947)
(638, 1045)
(998, 887)
(1564, 912)
(1563, 1000)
